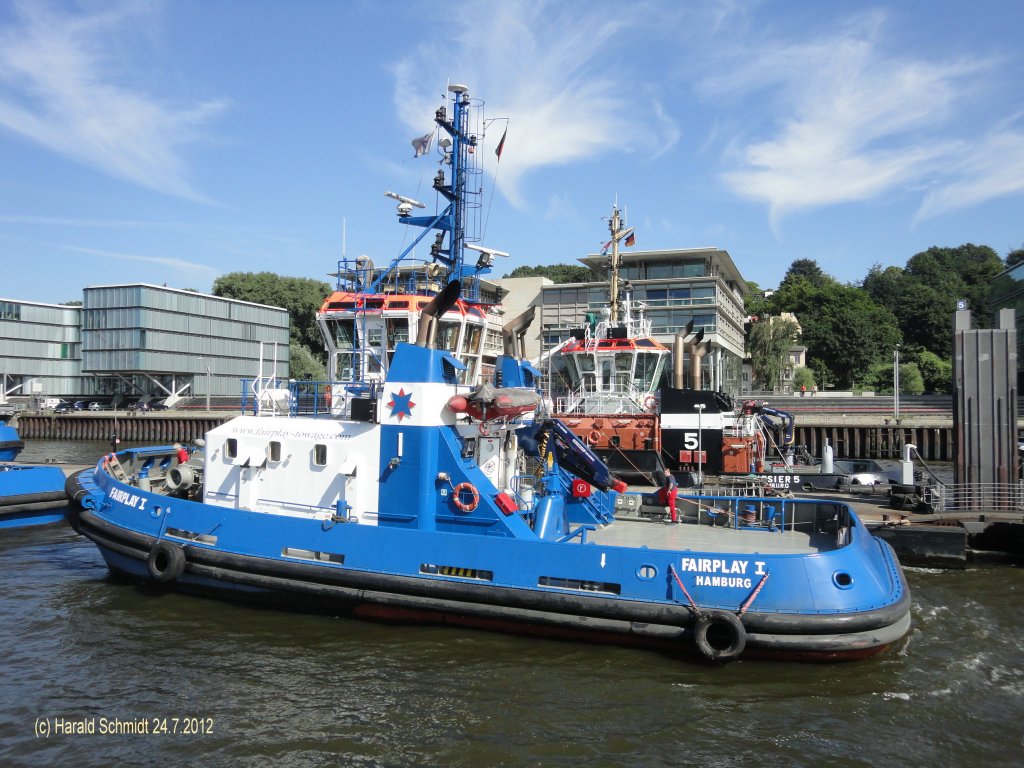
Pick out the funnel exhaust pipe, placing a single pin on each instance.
(426, 332)
(513, 334)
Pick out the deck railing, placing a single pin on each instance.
(974, 497)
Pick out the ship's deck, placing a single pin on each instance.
(688, 536)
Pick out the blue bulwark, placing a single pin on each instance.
(421, 365)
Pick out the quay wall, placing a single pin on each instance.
(851, 436)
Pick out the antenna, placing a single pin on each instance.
(404, 199)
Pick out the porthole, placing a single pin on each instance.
(842, 579)
(646, 572)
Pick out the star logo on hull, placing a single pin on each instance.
(401, 404)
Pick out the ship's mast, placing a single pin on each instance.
(617, 233)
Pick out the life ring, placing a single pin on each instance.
(720, 636)
(166, 561)
(593, 437)
(327, 397)
(651, 403)
(474, 500)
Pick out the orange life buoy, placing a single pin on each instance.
(651, 403)
(474, 500)
(593, 437)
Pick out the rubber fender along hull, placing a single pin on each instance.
(423, 600)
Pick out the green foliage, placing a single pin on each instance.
(304, 364)
(803, 377)
(72, 303)
(767, 347)
(557, 273)
(911, 381)
(1016, 256)
(754, 302)
(301, 296)
(808, 270)
(923, 295)
(843, 329)
(936, 372)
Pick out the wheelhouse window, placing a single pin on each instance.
(320, 455)
(231, 448)
(274, 450)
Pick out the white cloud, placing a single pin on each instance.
(545, 66)
(60, 87)
(180, 266)
(858, 122)
(991, 168)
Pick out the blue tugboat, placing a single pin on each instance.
(29, 495)
(431, 500)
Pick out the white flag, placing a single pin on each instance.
(422, 144)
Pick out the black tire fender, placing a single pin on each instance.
(166, 562)
(720, 636)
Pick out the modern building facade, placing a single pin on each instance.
(139, 341)
(40, 349)
(147, 340)
(699, 284)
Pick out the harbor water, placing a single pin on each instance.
(98, 671)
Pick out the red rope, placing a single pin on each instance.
(682, 587)
(743, 608)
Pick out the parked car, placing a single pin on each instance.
(94, 406)
(138, 407)
(62, 407)
(161, 406)
(79, 405)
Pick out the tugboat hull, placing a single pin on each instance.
(471, 594)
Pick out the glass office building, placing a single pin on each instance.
(146, 340)
(40, 349)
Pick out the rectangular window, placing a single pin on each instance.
(231, 448)
(274, 450)
(320, 455)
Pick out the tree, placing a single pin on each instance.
(803, 377)
(558, 273)
(1014, 257)
(301, 296)
(754, 302)
(844, 330)
(936, 372)
(303, 364)
(911, 381)
(923, 294)
(806, 269)
(770, 340)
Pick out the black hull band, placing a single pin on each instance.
(353, 585)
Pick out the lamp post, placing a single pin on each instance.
(206, 363)
(700, 444)
(896, 382)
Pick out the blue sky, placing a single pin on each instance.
(171, 142)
